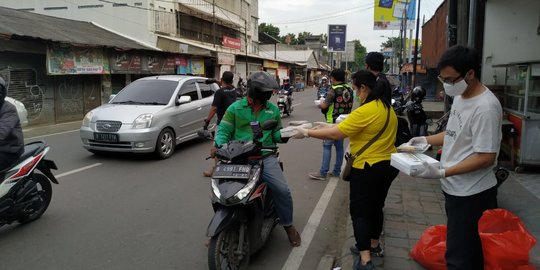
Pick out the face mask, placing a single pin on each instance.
(357, 98)
(455, 89)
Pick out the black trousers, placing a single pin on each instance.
(463, 245)
(6, 160)
(368, 190)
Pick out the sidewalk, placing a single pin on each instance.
(414, 204)
(42, 130)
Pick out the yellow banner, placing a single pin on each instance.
(388, 14)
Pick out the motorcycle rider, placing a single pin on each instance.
(323, 88)
(287, 87)
(11, 136)
(235, 125)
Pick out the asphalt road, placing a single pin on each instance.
(135, 212)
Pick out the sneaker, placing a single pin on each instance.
(358, 266)
(375, 252)
(317, 176)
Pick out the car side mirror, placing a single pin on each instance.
(111, 97)
(183, 100)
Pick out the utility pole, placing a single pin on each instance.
(415, 59)
(246, 46)
(214, 22)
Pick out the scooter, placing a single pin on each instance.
(25, 193)
(244, 210)
(398, 104)
(321, 92)
(284, 102)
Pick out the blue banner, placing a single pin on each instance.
(337, 37)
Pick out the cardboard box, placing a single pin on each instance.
(410, 163)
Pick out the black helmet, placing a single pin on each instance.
(3, 91)
(418, 94)
(261, 85)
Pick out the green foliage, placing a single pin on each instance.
(359, 55)
(270, 30)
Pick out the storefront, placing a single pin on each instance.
(226, 62)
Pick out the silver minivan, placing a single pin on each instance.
(151, 114)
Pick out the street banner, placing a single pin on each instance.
(74, 60)
(337, 37)
(230, 42)
(388, 14)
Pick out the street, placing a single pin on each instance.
(136, 212)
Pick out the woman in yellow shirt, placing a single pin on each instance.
(371, 175)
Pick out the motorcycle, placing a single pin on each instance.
(416, 116)
(25, 193)
(321, 92)
(284, 102)
(398, 104)
(244, 210)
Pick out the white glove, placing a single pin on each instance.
(418, 140)
(321, 125)
(429, 172)
(300, 133)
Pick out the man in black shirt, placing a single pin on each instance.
(223, 97)
(375, 64)
(11, 136)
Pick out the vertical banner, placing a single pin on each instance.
(388, 14)
(337, 37)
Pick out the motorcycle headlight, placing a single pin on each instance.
(244, 192)
(87, 118)
(143, 121)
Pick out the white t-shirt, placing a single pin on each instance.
(474, 126)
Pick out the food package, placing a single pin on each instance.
(417, 148)
(290, 131)
(411, 163)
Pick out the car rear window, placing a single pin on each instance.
(149, 92)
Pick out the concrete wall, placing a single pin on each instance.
(130, 21)
(510, 35)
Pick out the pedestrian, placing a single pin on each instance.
(470, 146)
(11, 135)
(236, 126)
(371, 174)
(223, 98)
(339, 100)
(375, 64)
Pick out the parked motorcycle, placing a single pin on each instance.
(398, 104)
(25, 190)
(284, 102)
(244, 210)
(416, 116)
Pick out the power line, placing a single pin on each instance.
(328, 16)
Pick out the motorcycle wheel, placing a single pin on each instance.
(43, 192)
(281, 111)
(222, 251)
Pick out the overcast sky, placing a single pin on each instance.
(295, 16)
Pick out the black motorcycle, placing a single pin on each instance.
(25, 190)
(244, 210)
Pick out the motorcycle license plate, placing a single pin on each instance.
(232, 171)
(106, 137)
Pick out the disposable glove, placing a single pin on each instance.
(418, 140)
(300, 133)
(321, 125)
(429, 172)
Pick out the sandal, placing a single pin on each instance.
(294, 236)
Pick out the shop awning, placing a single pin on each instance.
(184, 46)
(408, 68)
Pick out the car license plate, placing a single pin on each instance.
(106, 137)
(232, 171)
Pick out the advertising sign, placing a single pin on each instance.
(388, 14)
(225, 59)
(337, 37)
(67, 61)
(133, 63)
(230, 42)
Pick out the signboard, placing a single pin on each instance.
(124, 62)
(230, 42)
(349, 51)
(388, 14)
(73, 60)
(197, 66)
(337, 37)
(225, 59)
(132, 63)
(270, 64)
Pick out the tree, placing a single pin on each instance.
(270, 30)
(393, 43)
(359, 55)
(302, 37)
(292, 40)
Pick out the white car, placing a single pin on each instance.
(21, 110)
(151, 114)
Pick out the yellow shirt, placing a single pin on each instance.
(362, 125)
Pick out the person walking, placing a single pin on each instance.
(339, 100)
(470, 146)
(236, 126)
(223, 98)
(371, 174)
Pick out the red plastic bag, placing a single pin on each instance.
(505, 241)
(430, 249)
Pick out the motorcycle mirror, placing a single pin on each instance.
(393, 101)
(269, 124)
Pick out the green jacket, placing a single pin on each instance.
(235, 124)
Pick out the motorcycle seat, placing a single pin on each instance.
(30, 150)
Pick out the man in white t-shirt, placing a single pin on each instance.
(470, 146)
